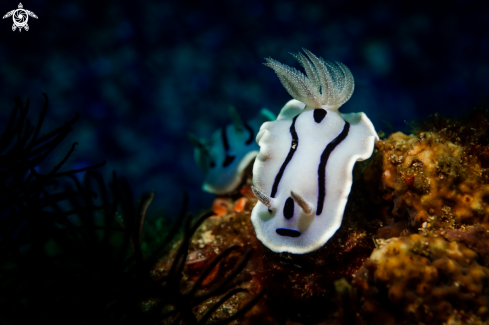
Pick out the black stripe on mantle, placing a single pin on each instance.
(228, 159)
(293, 148)
(322, 166)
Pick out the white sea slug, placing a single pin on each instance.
(303, 173)
(225, 156)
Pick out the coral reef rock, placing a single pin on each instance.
(433, 180)
(425, 280)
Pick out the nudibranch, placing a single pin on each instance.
(303, 173)
(225, 156)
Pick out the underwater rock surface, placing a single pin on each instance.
(422, 279)
(434, 180)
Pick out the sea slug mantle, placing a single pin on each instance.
(303, 173)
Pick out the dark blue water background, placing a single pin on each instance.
(142, 74)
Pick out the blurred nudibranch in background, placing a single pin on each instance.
(226, 154)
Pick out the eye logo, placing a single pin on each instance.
(20, 17)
